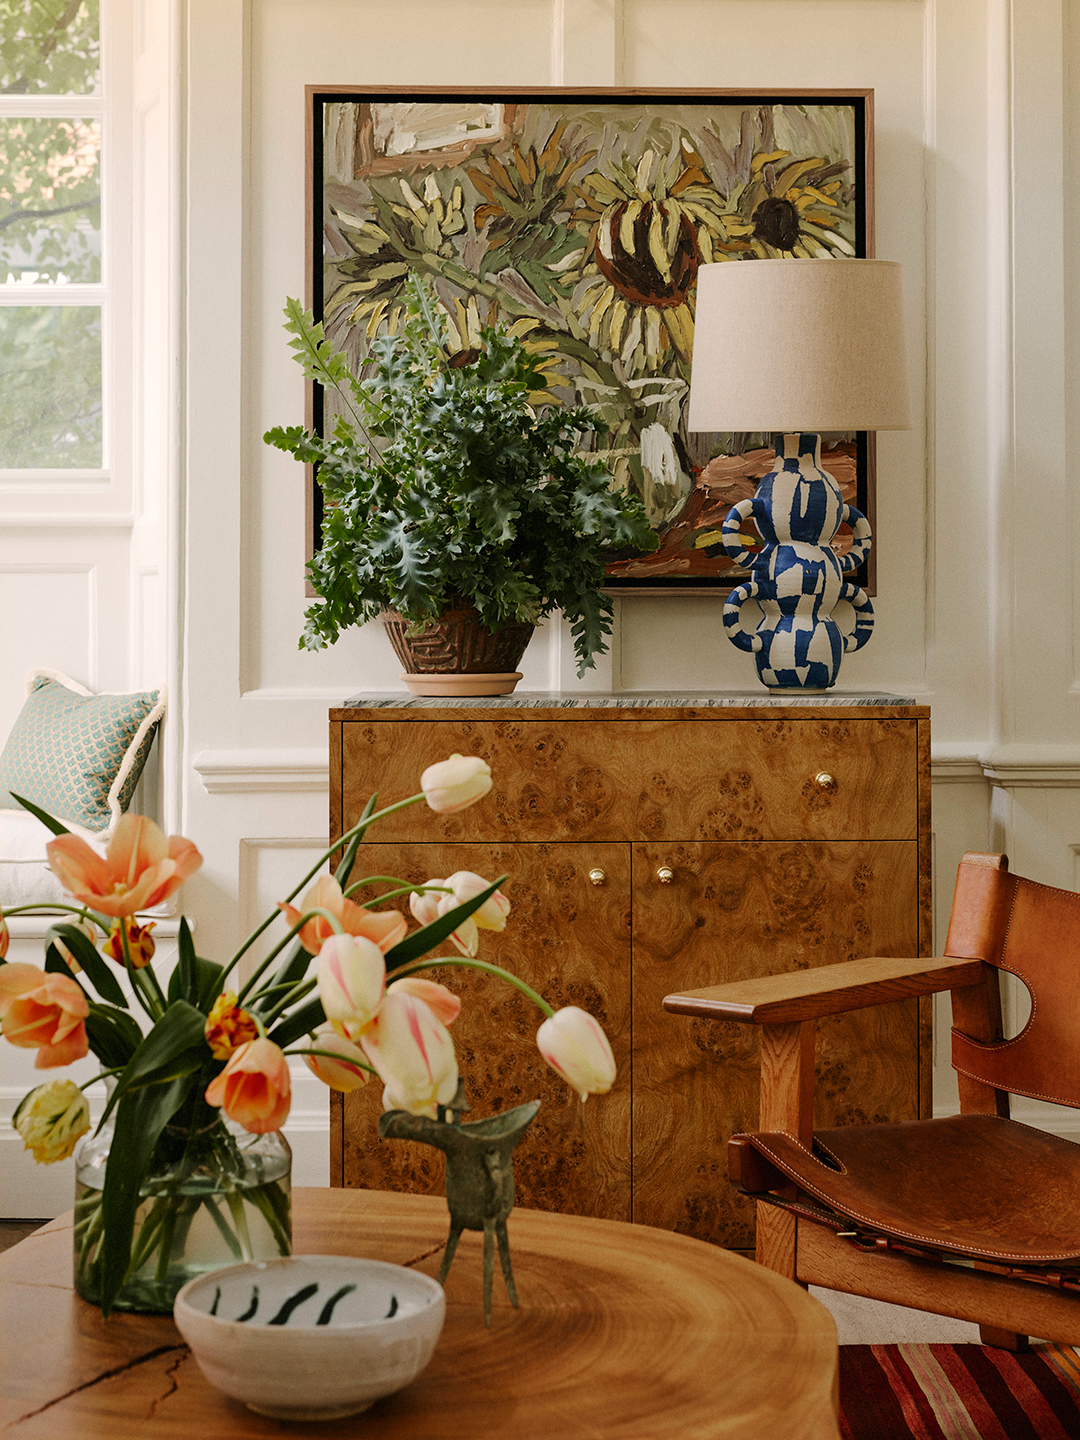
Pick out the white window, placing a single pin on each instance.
(54, 249)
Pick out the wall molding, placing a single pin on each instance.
(962, 763)
(1014, 766)
(224, 772)
(955, 765)
(1024, 766)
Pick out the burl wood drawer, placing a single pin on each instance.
(639, 780)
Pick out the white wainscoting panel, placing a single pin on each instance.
(47, 620)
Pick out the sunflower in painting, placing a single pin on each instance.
(793, 207)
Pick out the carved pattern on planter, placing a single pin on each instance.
(456, 643)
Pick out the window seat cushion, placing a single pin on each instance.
(25, 877)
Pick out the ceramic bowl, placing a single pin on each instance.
(311, 1337)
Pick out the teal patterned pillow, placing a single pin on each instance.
(77, 755)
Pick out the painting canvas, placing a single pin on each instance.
(580, 220)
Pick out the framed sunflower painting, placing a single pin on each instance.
(579, 219)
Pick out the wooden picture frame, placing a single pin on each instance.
(580, 217)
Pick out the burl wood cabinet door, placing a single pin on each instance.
(569, 939)
(737, 910)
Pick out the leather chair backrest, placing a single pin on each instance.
(1032, 931)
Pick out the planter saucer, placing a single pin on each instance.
(498, 683)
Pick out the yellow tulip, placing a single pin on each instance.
(51, 1119)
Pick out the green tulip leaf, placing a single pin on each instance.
(114, 1036)
(195, 980)
(174, 1048)
(141, 1116)
(302, 1021)
(95, 967)
(43, 815)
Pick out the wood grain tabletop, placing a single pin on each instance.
(623, 1331)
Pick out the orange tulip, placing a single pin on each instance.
(385, 928)
(254, 1089)
(442, 1003)
(140, 868)
(5, 935)
(43, 1010)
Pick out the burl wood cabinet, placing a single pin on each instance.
(653, 847)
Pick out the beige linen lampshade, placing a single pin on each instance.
(799, 345)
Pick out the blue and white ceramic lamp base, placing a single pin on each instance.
(797, 577)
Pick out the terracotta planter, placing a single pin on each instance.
(456, 655)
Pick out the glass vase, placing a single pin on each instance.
(213, 1195)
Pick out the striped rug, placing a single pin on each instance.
(959, 1392)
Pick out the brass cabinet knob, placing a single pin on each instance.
(597, 877)
(665, 875)
(824, 779)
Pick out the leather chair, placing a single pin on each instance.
(971, 1215)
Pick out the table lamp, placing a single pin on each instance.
(798, 347)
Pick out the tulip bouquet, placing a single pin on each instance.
(189, 1134)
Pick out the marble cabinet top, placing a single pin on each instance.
(580, 699)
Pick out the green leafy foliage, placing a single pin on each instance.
(174, 1048)
(50, 200)
(449, 480)
(114, 1037)
(50, 373)
(48, 47)
(302, 1021)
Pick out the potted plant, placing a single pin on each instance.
(457, 499)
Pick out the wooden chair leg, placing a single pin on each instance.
(1004, 1339)
(776, 1236)
(787, 1097)
(990, 1334)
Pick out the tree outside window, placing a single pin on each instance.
(52, 289)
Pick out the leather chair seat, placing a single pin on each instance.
(976, 1186)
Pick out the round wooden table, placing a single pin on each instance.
(623, 1331)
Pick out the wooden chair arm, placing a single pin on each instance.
(828, 990)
